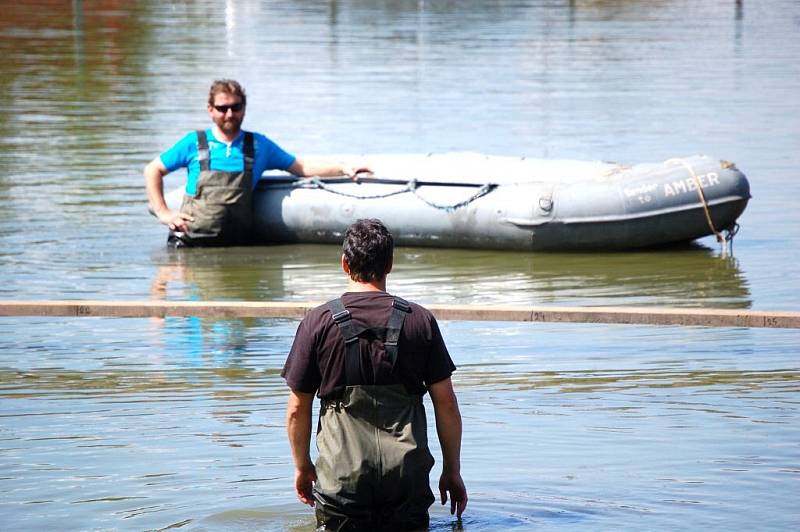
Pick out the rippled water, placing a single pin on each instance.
(145, 424)
(182, 423)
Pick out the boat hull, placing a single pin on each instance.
(612, 208)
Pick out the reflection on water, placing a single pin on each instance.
(508, 377)
(680, 277)
(687, 276)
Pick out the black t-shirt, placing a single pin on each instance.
(316, 360)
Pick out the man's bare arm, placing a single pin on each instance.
(307, 168)
(154, 174)
(448, 427)
(298, 427)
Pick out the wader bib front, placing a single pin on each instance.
(222, 206)
(374, 463)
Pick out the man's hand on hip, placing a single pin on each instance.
(175, 220)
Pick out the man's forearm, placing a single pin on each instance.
(308, 168)
(327, 170)
(298, 428)
(448, 427)
(448, 424)
(154, 184)
(303, 168)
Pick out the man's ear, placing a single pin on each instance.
(345, 265)
(389, 266)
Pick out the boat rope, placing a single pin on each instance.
(411, 187)
(724, 241)
(485, 189)
(318, 183)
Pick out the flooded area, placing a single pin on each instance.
(147, 424)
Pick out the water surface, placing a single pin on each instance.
(148, 424)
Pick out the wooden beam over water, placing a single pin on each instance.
(278, 309)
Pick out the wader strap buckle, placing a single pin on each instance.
(341, 316)
(401, 304)
(203, 155)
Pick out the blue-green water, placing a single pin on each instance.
(145, 424)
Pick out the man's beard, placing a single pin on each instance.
(231, 125)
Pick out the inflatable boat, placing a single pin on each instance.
(470, 200)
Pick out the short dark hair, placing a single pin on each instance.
(368, 248)
(228, 86)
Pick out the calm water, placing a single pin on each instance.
(146, 424)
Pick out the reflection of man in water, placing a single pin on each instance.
(224, 165)
(371, 357)
(196, 341)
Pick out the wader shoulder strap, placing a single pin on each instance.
(400, 308)
(352, 352)
(249, 152)
(202, 150)
(350, 331)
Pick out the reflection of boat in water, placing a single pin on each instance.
(475, 201)
(686, 276)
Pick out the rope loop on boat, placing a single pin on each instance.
(412, 187)
(485, 189)
(727, 245)
(318, 183)
(723, 240)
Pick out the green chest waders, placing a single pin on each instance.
(222, 207)
(374, 463)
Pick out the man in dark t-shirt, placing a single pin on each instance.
(370, 357)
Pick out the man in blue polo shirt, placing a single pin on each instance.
(224, 165)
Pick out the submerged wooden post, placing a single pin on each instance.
(276, 309)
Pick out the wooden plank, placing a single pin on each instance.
(277, 309)
(146, 309)
(623, 315)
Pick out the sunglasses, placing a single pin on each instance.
(224, 108)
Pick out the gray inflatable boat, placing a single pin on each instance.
(470, 200)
